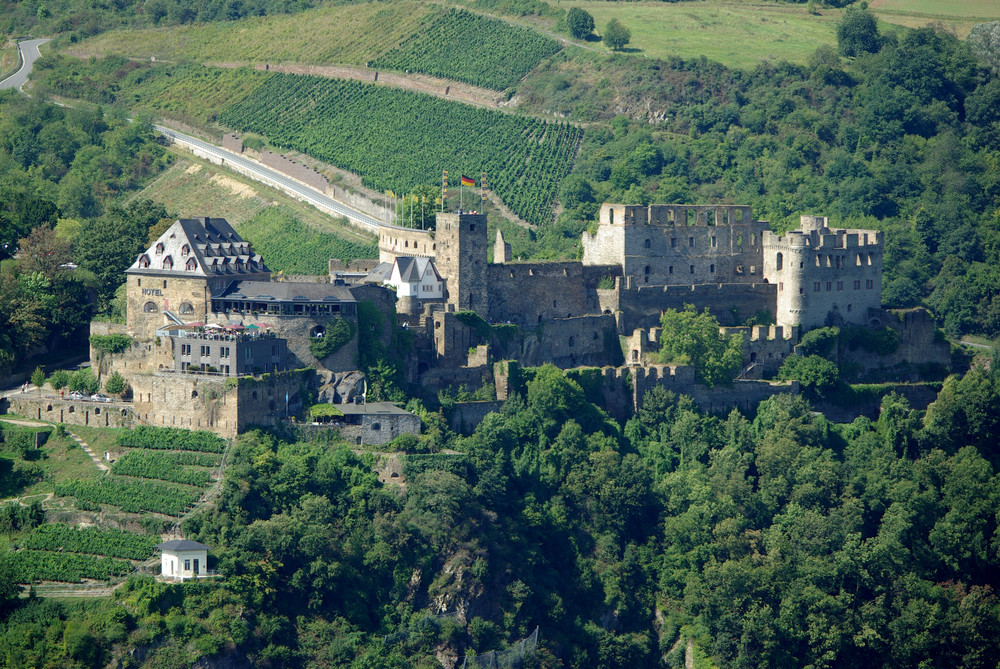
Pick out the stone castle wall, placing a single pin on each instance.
(571, 342)
(641, 306)
(72, 412)
(675, 244)
(529, 293)
(221, 405)
(398, 242)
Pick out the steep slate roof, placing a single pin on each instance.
(182, 545)
(412, 269)
(200, 247)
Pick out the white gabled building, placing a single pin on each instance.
(416, 278)
(182, 558)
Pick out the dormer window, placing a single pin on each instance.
(159, 248)
(185, 250)
(191, 265)
(143, 261)
(168, 263)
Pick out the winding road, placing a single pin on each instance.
(29, 54)
(255, 170)
(239, 163)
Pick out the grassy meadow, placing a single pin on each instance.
(956, 15)
(189, 190)
(348, 35)
(736, 34)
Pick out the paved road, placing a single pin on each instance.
(275, 178)
(29, 54)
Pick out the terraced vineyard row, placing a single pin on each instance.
(467, 47)
(92, 540)
(162, 466)
(31, 566)
(130, 495)
(170, 438)
(397, 139)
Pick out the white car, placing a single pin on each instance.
(98, 397)
(77, 395)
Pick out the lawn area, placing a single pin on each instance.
(958, 15)
(349, 34)
(61, 459)
(737, 34)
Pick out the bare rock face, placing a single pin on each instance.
(456, 590)
(341, 387)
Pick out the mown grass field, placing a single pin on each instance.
(349, 34)
(957, 15)
(736, 34)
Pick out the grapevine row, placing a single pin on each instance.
(399, 139)
(467, 47)
(93, 540)
(130, 495)
(29, 566)
(170, 438)
(159, 465)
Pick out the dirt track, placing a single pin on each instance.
(443, 88)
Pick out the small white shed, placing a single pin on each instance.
(182, 558)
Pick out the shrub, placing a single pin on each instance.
(59, 379)
(114, 343)
(338, 332)
(580, 23)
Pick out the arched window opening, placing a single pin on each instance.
(149, 307)
(186, 308)
(779, 262)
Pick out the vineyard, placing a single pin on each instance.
(467, 47)
(169, 438)
(31, 566)
(162, 466)
(398, 140)
(294, 247)
(130, 495)
(92, 540)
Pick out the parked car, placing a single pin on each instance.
(77, 395)
(98, 397)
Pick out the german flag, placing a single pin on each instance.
(468, 181)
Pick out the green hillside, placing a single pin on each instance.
(322, 36)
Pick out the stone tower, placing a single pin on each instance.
(461, 259)
(825, 276)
